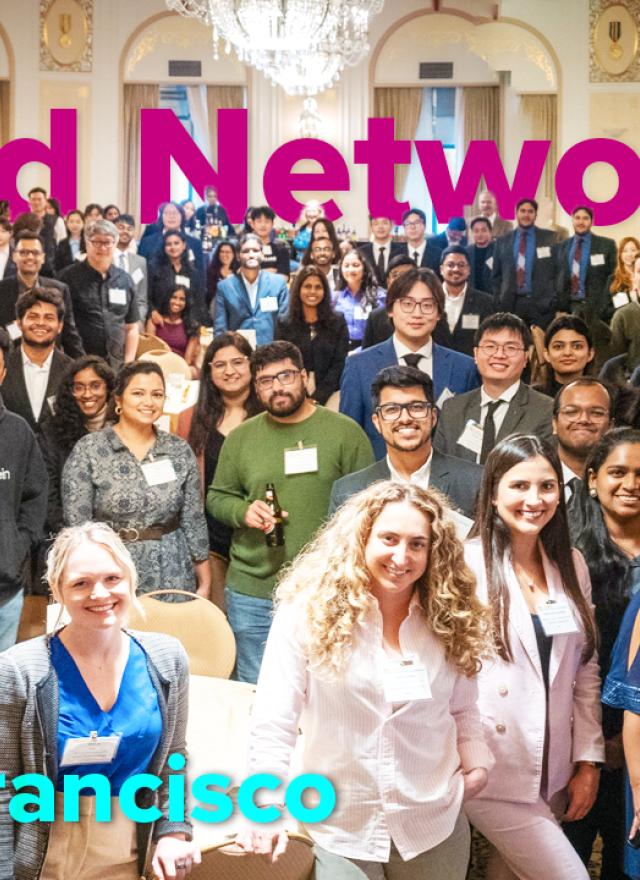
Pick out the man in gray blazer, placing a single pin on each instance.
(132, 263)
(404, 413)
(472, 423)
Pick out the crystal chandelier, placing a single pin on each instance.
(301, 45)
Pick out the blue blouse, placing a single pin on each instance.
(356, 310)
(135, 716)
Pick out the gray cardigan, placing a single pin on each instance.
(28, 741)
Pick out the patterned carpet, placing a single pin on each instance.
(479, 853)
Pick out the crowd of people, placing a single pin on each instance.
(411, 480)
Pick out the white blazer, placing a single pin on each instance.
(512, 697)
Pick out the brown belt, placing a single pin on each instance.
(129, 533)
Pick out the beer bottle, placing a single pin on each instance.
(275, 536)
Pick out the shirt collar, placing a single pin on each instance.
(568, 474)
(506, 395)
(27, 362)
(421, 476)
(460, 296)
(401, 349)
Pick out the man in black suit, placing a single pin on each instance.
(481, 254)
(381, 249)
(465, 308)
(28, 257)
(455, 233)
(524, 269)
(404, 413)
(35, 366)
(585, 261)
(423, 253)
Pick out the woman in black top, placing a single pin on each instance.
(568, 353)
(224, 264)
(68, 249)
(319, 332)
(173, 268)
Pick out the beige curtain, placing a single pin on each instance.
(137, 96)
(481, 114)
(5, 111)
(542, 111)
(221, 98)
(403, 105)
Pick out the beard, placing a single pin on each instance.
(286, 407)
(39, 343)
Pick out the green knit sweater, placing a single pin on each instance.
(252, 456)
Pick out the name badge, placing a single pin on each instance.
(14, 331)
(543, 252)
(620, 299)
(138, 275)
(489, 263)
(302, 460)
(92, 749)
(51, 403)
(471, 437)
(556, 617)
(184, 281)
(269, 304)
(267, 250)
(191, 256)
(405, 680)
(446, 394)
(158, 472)
(470, 322)
(117, 296)
(361, 314)
(597, 259)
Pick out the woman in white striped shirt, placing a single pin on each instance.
(373, 653)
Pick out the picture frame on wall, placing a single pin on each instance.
(614, 40)
(66, 35)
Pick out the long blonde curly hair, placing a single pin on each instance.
(331, 578)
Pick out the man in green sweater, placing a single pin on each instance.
(302, 449)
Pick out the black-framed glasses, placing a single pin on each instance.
(417, 409)
(95, 387)
(284, 377)
(408, 305)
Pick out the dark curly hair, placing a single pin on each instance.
(368, 285)
(213, 275)
(189, 319)
(295, 315)
(68, 423)
(209, 409)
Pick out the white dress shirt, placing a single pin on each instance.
(453, 306)
(36, 378)
(397, 772)
(501, 411)
(121, 259)
(251, 288)
(426, 355)
(420, 477)
(376, 252)
(4, 259)
(567, 475)
(419, 250)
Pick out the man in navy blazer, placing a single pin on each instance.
(455, 233)
(415, 302)
(251, 299)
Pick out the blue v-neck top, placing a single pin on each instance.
(135, 716)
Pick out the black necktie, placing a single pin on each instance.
(416, 254)
(381, 267)
(573, 485)
(412, 360)
(489, 431)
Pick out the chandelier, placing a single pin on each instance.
(301, 45)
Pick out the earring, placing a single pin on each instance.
(118, 409)
(593, 493)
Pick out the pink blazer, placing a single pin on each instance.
(512, 699)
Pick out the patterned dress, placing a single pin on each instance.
(103, 481)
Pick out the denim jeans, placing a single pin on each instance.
(10, 611)
(250, 619)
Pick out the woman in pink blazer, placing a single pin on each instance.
(540, 695)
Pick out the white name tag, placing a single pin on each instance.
(250, 335)
(14, 331)
(117, 296)
(266, 250)
(92, 749)
(489, 263)
(446, 394)
(191, 256)
(361, 314)
(471, 437)
(301, 461)
(543, 252)
(470, 322)
(269, 304)
(597, 259)
(404, 680)
(556, 617)
(184, 281)
(158, 472)
(620, 299)
(138, 275)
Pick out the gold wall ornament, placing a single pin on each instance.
(613, 41)
(66, 35)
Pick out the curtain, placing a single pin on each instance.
(221, 98)
(5, 111)
(542, 111)
(197, 98)
(137, 96)
(481, 113)
(403, 105)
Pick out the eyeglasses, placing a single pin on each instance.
(412, 224)
(509, 349)
(417, 409)
(284, 377)
(78, 389)
(103, 245)
(408, 305)
(321, 250)
(235, 364)
(26, 252)
(573, 413)
(462, 265)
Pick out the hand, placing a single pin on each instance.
(157, 318)
(204, 590)
(614, 753)
(634, 826)
(272, 843)
(174, 857)
(582, 789)
(259, 516)
(474, 781)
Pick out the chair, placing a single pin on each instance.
(197, 623)
(225, 862)
(169, 362)
(147, 342)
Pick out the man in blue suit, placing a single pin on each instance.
(251, 299)
(415, 302)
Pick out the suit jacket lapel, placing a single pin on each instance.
(516, 409)
(559, 643)
(520, 618)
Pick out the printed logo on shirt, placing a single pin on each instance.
(5, 474)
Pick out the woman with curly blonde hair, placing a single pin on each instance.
(373, 651)
(540, 694)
